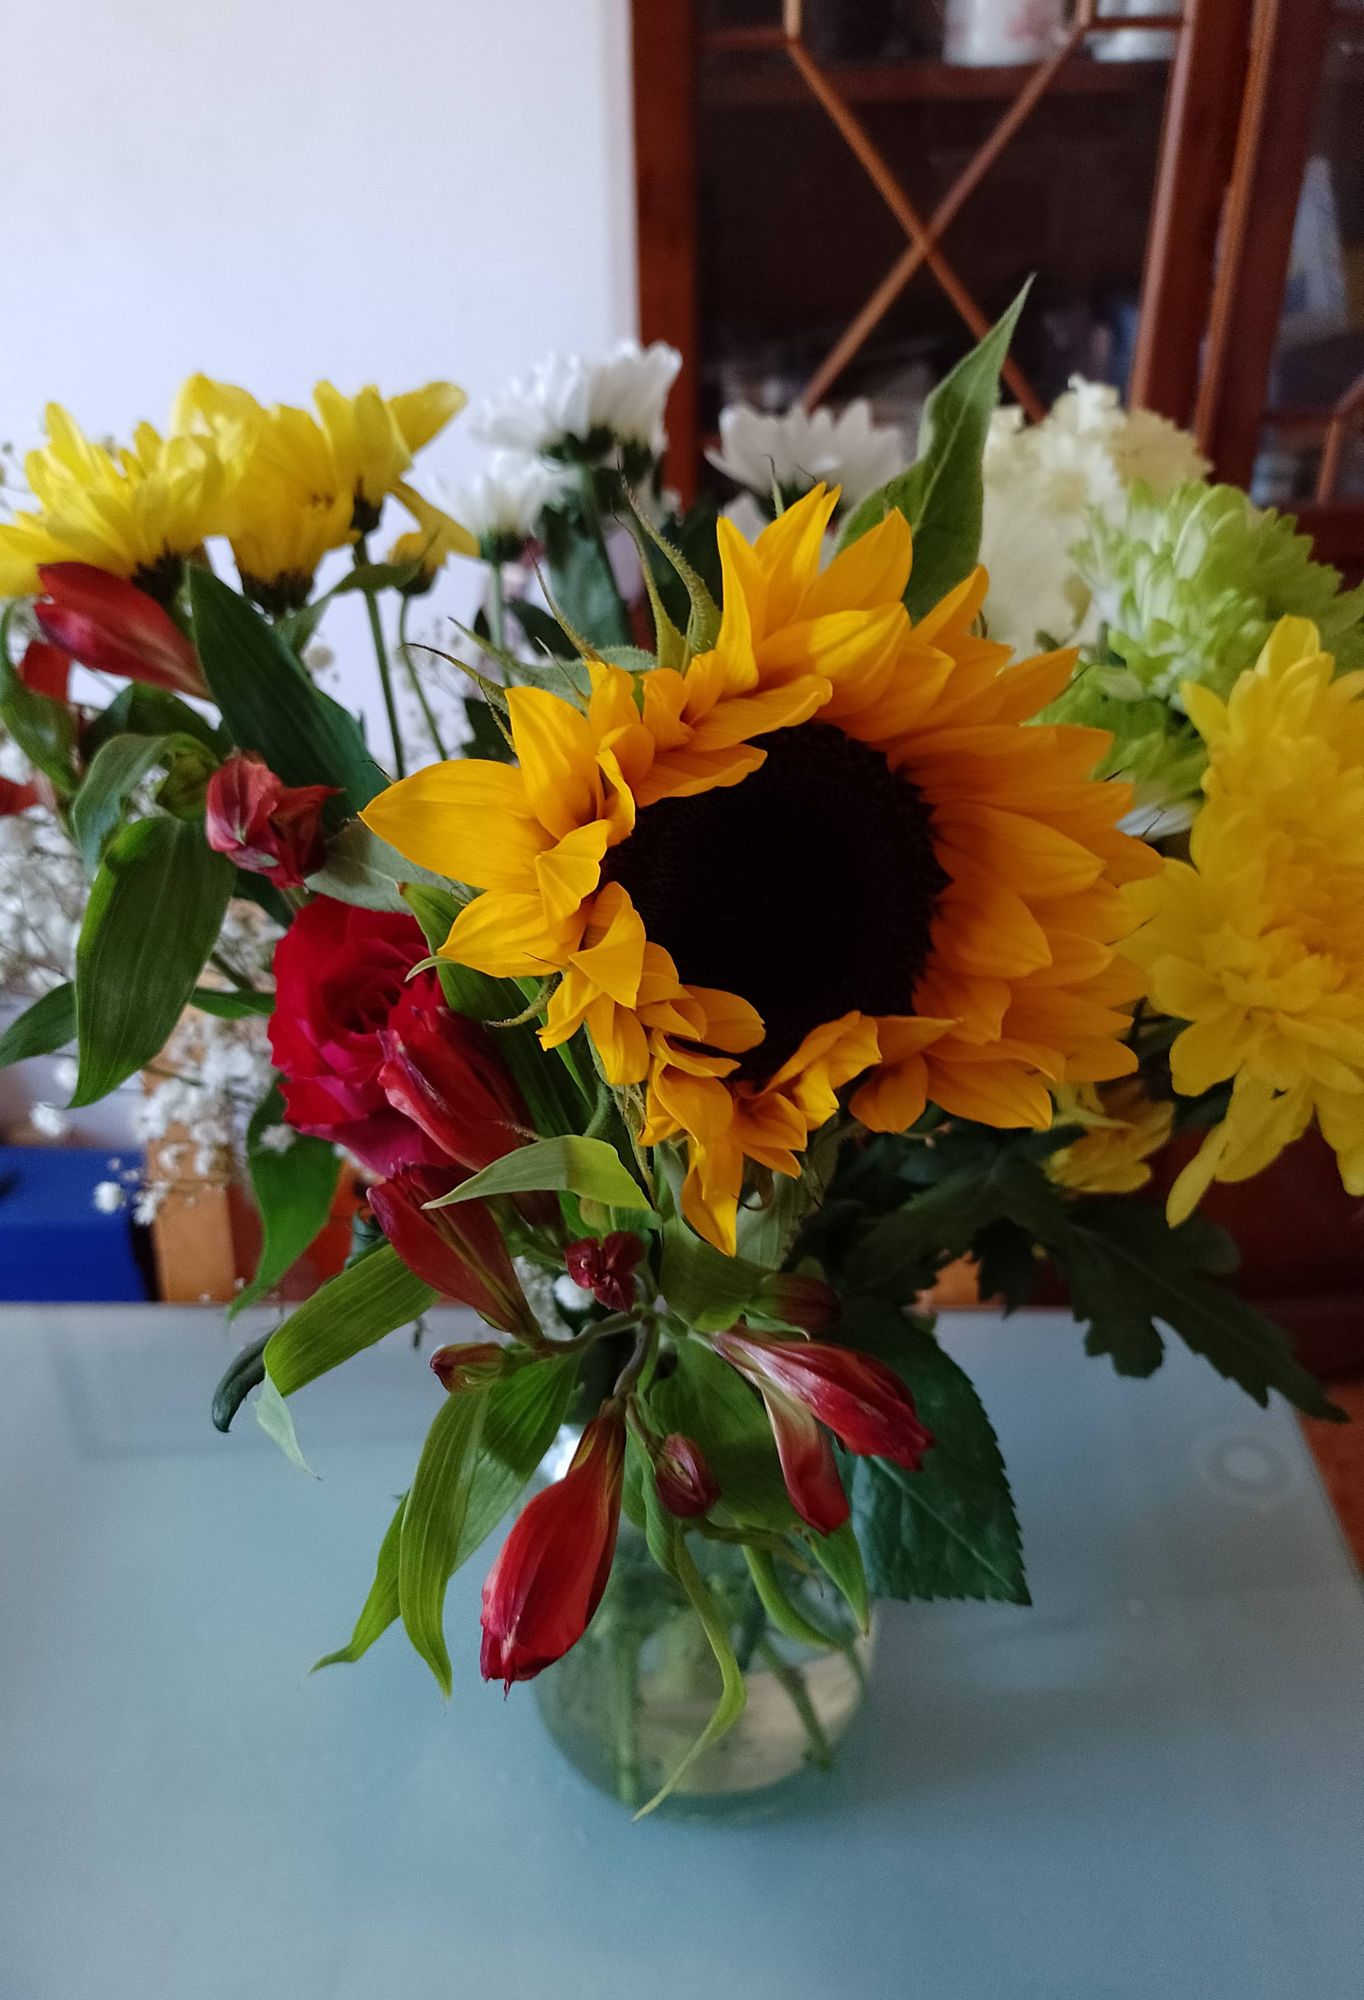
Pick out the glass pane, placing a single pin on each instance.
(1319, 358)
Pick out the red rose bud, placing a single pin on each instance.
(864, 1404)
(265, 826)
(546, 1584)
(109, 624)
(686, 1485)
(46, 670)
(471, 1366)
(606, 1267)
(459, 1250)
(801, 1301)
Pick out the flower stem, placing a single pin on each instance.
(497, 607)
(625, 1708)
(376, 628)
(819, 1750)
(428, 714)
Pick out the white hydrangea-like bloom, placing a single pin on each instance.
(800, 449)
(42, 892)
(1041, 481)
(506, 499)
(566, 404)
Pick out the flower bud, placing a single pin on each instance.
(606, 1267)
(458, 1250)
(109, 624)
(799, 1300)
(470, 1366)
(545, 1586)
(265, 826)
(682, 1473)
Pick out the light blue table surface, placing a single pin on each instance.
(1150, 1785)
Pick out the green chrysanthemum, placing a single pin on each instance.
(1188, 588)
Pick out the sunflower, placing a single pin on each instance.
(132, 511)
(824, 853)
(302, 485)
(1256, 941)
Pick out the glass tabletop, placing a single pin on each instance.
(1152, 1782)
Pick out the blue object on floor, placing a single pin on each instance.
(54, 1242)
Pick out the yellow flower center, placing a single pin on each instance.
(809, 889)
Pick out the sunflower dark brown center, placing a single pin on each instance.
(808, 888)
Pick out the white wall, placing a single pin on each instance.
(277, 190)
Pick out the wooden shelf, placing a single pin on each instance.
(725, 81)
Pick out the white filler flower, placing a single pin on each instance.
(569, 407)
(796, 451)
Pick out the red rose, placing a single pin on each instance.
(341, 984)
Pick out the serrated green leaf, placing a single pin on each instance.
(371, 1297)
(942, 495)
(155, 910)
(586, 1167)
(948, 1530)
(274, 1417)
(380, 1608)
(433, 1522)
(294, 1191)
(366, 872)
(269, 704)
(48, 1025)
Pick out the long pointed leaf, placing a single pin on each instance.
(433, 1523)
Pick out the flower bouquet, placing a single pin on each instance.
(782, 939)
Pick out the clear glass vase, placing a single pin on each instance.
(629, 1701)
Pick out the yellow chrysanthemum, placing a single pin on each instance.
(825, 851)
(1258, 940)
(301, 485)
(135, 512)
(1121, 1128)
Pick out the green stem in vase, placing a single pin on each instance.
(819, 1750)
(625, 1645)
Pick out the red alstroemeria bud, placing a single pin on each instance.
(469, 1366)
(46, 669)
(546, 1584)
(458, 1250)
(864, 1403)
(443, 1071)
(265, 826)
(801, 1301)
(109, 624)
(606, 1267)
(682, 1473)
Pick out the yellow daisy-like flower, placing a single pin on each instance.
(1258, 940)
(825, 851)
(133, 511)
(1121, 1128)
(301, 485)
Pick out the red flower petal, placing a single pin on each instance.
(107, 623)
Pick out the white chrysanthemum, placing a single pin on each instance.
(569, 407)
(1041, 481)
(797, 451)
(506, 499)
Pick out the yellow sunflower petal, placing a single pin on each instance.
(558, 758)
(469, 819)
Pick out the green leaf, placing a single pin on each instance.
(583, 583)
(839, 1555)
(899, 1255)
(525, 1410)
(274, 1417)
(707, 1400)
(270, 705)
(294, 1192)
(119, 766)
(138, 710)
(245, 1372)
(693, 537)
(948, 1530)
(433, 1523)
(1127, 1270)
(365, 871)
(703, 1286)
(585, 1167)
(371, 1297)
(942, 495)
(49, 1024)
(668, 1546)
(787, 1616)
(232, 1004)
(155, 910)
(381, 1607)
(542, 629)
(44, 729)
